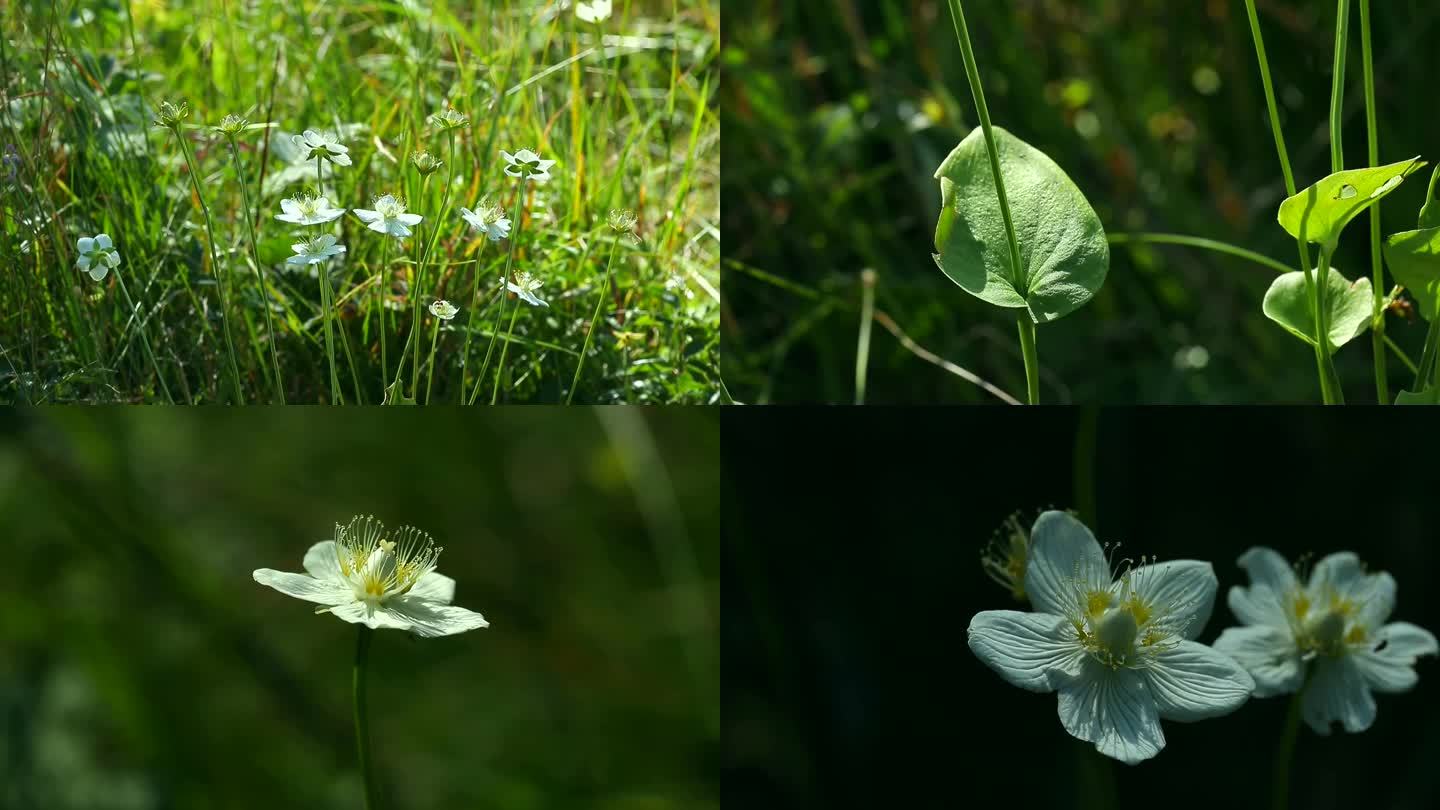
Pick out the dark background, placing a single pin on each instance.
(837, 112)
(142, 668)
(851, 569)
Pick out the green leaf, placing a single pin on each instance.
(1287, 304)
(1430, 211)
(1414, 259)
(1319, 213)
(1429, 396)
(1063, 252)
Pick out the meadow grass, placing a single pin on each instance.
(624, 106)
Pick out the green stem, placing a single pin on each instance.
(1032, 360)
(325, 295)
(1321, 369)
(1425, 373)
(380, 311)
(1377, 320)
(215, 266)
(362, 717)
(430, 375)
(1198, 242)
(505, 279)
(1337, 163)
(972, 73)
(1322, 323)
(867, 318)
(500, 367)
(144, 337)
(474, 311)
(429, 246)
(259, 275)
(1281, 790)
(594, 320)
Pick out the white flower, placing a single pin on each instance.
(97, 256)
(525, 286)
(487, 219)
(593, 12)
(307, 210)
(388, 216)
(1334, 624)
(314, 251)
(442, 309)
(527, 164)
(367, 577)
(675, 282)
(324, 146)
(1120, 651)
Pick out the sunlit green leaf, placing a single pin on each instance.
(1288, 304)
(1430, 211)
(1430, 396)
(1063, 252)
(1319, 213)
(1414, 259)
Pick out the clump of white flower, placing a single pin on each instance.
(306, 209)
(675, 282)
(323, 146)
(97, 255)
(448, 119)
(314, 251)
(425, 163)
(388, 216)
(1332, 626)
(1118, 647)
(442, 309)
(528, 165)
(594, 12)
(487, 218)
(381, 579)
(525, 286)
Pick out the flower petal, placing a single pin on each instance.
(1337, 691)
(1114, 710)
(1389, 664)
(1024, 647)
(409, 219)
(376, 618)
(430, 619)
(365, 214)
(436, 587)
(1257, 605)
(1341, 571)
(1266, 567)
(83, 262)
(1185, 589)
(303, 586)
(1064, 562)
(1376, 595)
(103, 240)
(86, 244)
(1268, 654)
(98, 272)
(340, 160)
(322, 561)
(1190, 681)
(112, 258)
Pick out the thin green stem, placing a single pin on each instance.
(1337, 86)
(214, 265)
(430, 375)
(1377, 320)
(1402, 356)
(867, 318)
(1425, 373)
(1198, 242)
(474, 311)
(144, 337)
(504, 280)
(362, 717)
(1322, 324)
(259, 274)
(500, 367)
(594, 321)
(1321, 369)
(429, 246)
(380, 311)
(1281, 785)
(325, 295)
(972, 73)
(1032, 359)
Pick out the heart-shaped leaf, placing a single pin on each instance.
(1414, 259)
(1063, 252)
(1319, 213)
(1430, 211)
(1287, 304)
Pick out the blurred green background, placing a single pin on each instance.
(836, 115)
(142, 667)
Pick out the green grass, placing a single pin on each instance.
(629, 119)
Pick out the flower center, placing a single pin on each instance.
(389, 207)
(1115, 632)
(378, 567)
